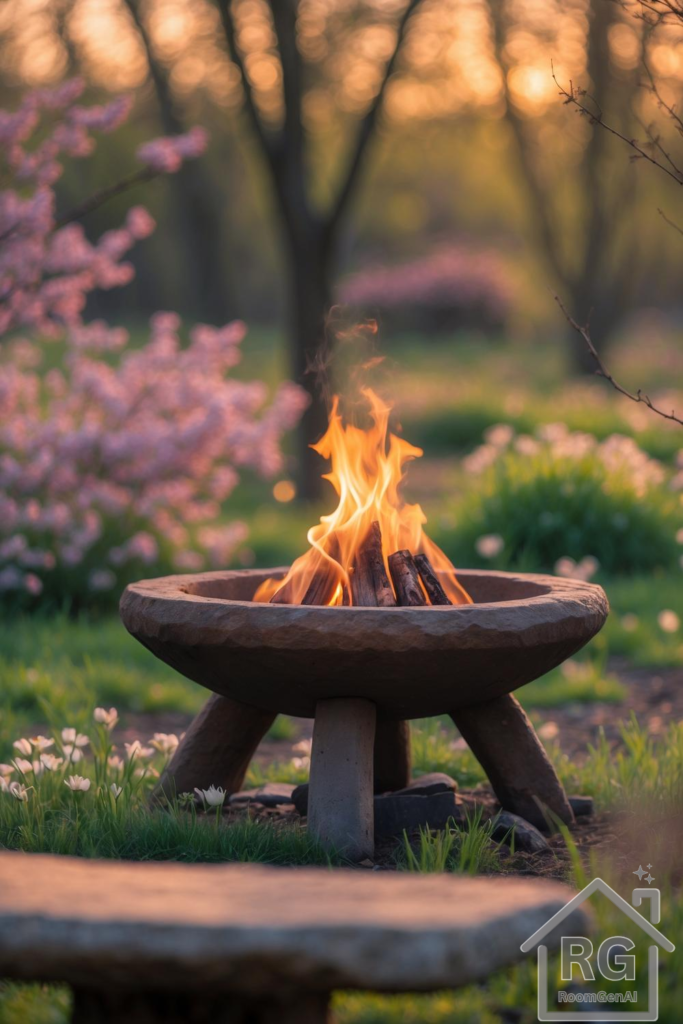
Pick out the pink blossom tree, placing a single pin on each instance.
(117, 459)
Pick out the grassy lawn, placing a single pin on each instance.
(55, 668)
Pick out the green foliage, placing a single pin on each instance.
(466, 851)
(647, 771)
(34, 1004)
(547, 502)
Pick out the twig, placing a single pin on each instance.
(602, 370)
(104, 194)
(572, 95)
(671, 223)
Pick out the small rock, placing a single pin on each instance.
(427, 785)
(582, 806)
(270, 795)
(407, 810)
(527, 838)
(395, 813)
(300, 799)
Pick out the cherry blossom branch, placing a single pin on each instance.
(103, 195)
(602, 371)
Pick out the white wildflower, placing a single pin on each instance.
(165, 743)
(51, 762)
(489, 545)
(136, 749)
(115, 762)
(76, 739)
(41, 743)
(23, 765)
(499, 435)
(211, 797)
(6, 769)
(19, 791)
(77, 783)
(565, 567)
(73, 753)
(115, 790)
(23, 746)
(668, 621)
(106, 718)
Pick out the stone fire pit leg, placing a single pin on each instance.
(393, 760)
(504, 742)
(340, 801)
(217, 748)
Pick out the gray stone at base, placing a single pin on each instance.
(271, 795)
(426, 785)
(396, 813)
(255, 930)
(526, 837)
(582, 806)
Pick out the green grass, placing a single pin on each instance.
(464, 850)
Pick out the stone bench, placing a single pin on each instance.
(212, 944)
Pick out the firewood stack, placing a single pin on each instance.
(412, 578)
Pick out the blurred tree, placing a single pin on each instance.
(197, 201)
(583, 240)
(310, 233)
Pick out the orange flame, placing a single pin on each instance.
(366, 473)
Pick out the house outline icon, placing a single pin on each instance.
(638, 895)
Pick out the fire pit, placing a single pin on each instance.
(358, 669)
(367, 629)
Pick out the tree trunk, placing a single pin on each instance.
(310, 259)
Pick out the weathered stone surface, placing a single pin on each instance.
(270, 795)
(340, 790)
(395, 813)
(410, 662)
(526, 838)
(426, 785)
(582, 806)
(253, 929)
(503, 740)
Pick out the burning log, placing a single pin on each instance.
(406, 579)
(370, 584)
(430, 581)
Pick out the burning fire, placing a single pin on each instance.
(366, 473)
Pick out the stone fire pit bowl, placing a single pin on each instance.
(362, 673)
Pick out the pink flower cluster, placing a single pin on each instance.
(106, 466)
(110, 466)
(453, 277)
(166, 155)
(46, 271)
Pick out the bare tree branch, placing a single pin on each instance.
(267, 143)
(102, 196)
(671, 223)
(602, 370)
(575, 97)
(367, 125)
